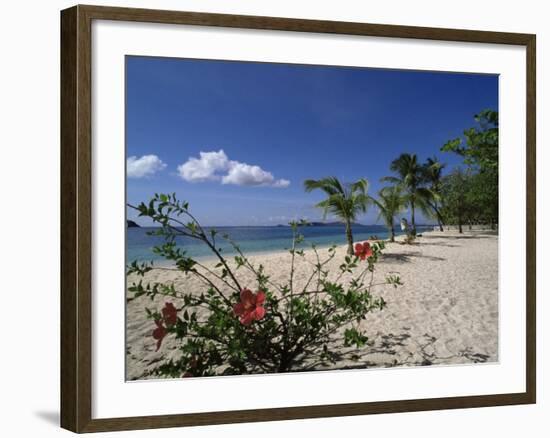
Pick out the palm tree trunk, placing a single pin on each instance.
(349, 237)
(435, 208)
(413, 225)
(392, 235)
(439, 219)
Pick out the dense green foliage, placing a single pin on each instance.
(455, 193)
(480, 153)
(481, 148)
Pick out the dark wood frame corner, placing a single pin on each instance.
(76, 239)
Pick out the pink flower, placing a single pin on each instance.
(169, 314)
(159, 333)
(363, 250)
(251, 306)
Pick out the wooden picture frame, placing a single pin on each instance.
(76, 235)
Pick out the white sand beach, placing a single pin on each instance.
(445, 313)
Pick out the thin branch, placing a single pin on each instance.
(247, 263)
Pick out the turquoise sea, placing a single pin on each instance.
(251, 239)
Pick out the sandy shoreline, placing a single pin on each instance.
(445, 313)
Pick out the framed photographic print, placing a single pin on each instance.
(269, 218)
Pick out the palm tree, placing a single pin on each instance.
(410, 178)
(390, 202)
(433, 170)
(345, 201)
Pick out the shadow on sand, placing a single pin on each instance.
(390, 345)
(467, 235)
(408, 257)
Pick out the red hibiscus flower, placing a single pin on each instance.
(159, 333)
(169, 317)
(169, 314)
(363, 250)
(251, 306)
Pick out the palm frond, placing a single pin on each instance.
(361, 185)
(391, 179)
(344, 200)
(330, 185)
(334, 204)
(390, 202)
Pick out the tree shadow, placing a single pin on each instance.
(408, 257)
(474, 357)
(440, 244)
(389, 345)
(484, 235)
(387, 351)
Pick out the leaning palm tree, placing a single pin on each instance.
(391, 201)
(410, 178)
(433, 172)
(344, 201)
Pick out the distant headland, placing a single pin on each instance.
(330, 224)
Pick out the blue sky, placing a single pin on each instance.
(264, 128)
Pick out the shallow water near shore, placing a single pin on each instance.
(259, 239)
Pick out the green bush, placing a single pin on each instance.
(235, 328)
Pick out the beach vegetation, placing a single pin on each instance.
(467, 195)
(344, 201)
(479, 149)
(391, 201)
(234, 326)
(456, 190)
(433, 177)
(409, 175)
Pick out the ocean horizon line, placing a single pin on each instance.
(315, 224)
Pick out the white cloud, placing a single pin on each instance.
(147, 165)
(204, 168)
(243, 174)
(216, 166)
(281, 183)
